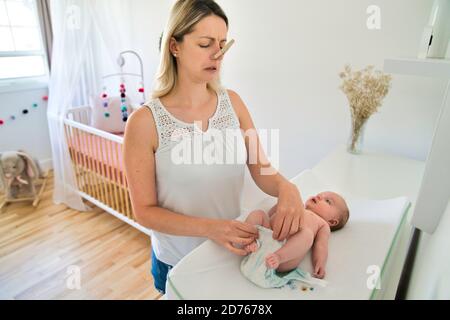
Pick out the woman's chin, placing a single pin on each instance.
(211, 74)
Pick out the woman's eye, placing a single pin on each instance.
(208, 46)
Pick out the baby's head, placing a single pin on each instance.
(331, 207)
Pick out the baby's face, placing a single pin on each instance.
(328, 205)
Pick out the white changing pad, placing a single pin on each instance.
(211, 272)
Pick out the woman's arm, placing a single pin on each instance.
(140, 143)
(290, 207)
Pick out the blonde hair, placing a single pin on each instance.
(184, 15)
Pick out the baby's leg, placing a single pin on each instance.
(292, 253)
(257, 217)
(271, 215)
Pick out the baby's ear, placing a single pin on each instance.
(333, 222)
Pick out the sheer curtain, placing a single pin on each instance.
(88, 37)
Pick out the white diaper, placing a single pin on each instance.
(254, 268)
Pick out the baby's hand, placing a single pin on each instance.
(319, 271)
(252, 247)
(272, 261)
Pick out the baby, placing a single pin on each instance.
(324, 213)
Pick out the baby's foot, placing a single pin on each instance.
(272, 261)
(252, 247)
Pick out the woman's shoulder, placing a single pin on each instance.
(237, 103)
(234, 96)
(141, 123)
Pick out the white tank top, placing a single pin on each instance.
(205, 183)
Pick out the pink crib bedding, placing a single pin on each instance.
(99, 155)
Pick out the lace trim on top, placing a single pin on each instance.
(170, 128)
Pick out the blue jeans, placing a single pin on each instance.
(159, 273)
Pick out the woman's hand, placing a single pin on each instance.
(229, 232)
(287, 219)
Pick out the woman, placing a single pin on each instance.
(184, 203)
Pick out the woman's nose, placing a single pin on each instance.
(216, 50)
(213, 56)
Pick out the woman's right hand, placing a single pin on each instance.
(229, 232)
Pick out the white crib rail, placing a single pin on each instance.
(101, 182)
(80, 114)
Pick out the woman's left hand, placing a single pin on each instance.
(290, 209)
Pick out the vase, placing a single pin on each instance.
(356, 137)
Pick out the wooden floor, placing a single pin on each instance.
(43, 250)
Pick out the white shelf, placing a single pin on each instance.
(437, 68)
(434, 193)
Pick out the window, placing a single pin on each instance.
(21, 48)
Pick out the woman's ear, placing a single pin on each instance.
(173, 46)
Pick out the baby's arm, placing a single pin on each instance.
(320, 251)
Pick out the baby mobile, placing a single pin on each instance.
(122, 87)
(25, 111)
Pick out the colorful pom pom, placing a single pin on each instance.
(104, 96)
(141, 90)
(24, 111)
(45, 98)
(2, 122)
(107, 115)
(35, 105)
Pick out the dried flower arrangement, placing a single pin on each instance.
(365, 90)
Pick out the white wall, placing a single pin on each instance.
(28, 132)
(285, 67)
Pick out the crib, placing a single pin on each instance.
(96, 158)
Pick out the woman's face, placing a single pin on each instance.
(196, 53)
